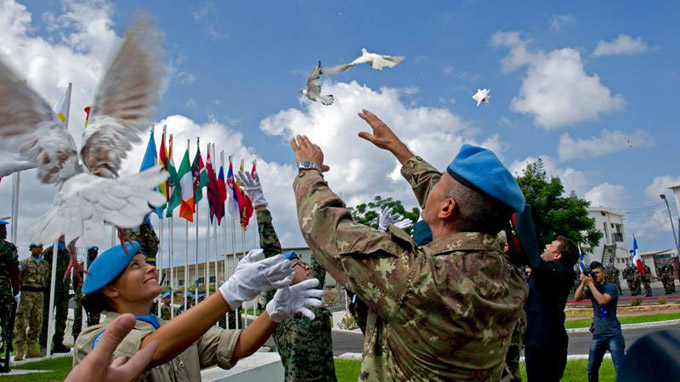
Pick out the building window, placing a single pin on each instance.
(180, 282)
(212, 279)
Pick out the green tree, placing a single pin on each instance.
(553, 212)
(369, 213)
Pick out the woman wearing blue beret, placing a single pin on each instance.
(120, 282)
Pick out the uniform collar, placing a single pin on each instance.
(37, 260)
(464, 241)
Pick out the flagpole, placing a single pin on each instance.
(216, 222)
(161, 263)
(50, 313)
(186, 241)
(207, 231)
(243, 246)
(224, 229)
(198, 149)
(16, 179)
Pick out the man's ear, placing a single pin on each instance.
(558, 256)
(447, 209)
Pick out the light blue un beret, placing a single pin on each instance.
(4, 222)
(167, 294)
(480, 169)
(291, 255)
(108, 265)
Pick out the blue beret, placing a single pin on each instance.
(190, 295)
(4, 222)
(422, 234)
(291, 255)
(480, 169)
(31, 245)
(167, 294)
(108, 265)
(200, 296)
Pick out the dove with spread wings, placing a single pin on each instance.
(375, 60)
(313, 91)
(90, 194)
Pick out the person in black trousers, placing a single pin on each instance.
(549, 286)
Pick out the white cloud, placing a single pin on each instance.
(557, 22)
(556, 90)
(572, 179)
(607, 142)
(360, 171)
(606, 195)
(621, 45)
(660, 186)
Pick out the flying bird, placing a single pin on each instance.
(482, 96)
(90, 194)
(375, 60)
(313, 91)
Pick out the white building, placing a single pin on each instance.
(613, 243)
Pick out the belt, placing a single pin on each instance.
(26, 288)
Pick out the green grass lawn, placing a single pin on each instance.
(584, 323)
(577, 371)
(346, 371)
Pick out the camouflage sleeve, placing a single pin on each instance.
(269, 241)
(421, 176)
(318, 272)
(369, 262)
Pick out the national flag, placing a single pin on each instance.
(174, 189)
(150, 159)
(245, 206)
(164, 187)
(63, 105)
(222, 195)
(582, 263)
(200, 175)
(87, 109)
(186, 182)
(637, 260)
(232, 203)
(213, 197)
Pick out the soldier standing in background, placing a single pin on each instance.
(638, 281)
(671, 276)
(61, 298)
(35, 272)
(166, 308)
(146, 236)
(646, 280)
(92, 319)
(305, 346)
(9, 283)
(629, 274)
(612, 275)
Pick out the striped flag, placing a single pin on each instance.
(582, 263)
(174, 190)
(212, 186)
(200, 175)
(221, 194)
(637, 260)
(163, 161)
(62, 106)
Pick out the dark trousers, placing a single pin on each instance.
(600, 344)
(545, 363)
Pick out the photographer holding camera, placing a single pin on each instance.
(607, 328)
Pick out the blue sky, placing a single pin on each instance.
(588, 86)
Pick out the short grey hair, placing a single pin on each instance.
(477, 212)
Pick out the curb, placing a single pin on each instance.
(632, 326)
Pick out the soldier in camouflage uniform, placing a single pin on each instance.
(629, 274)
(147, 239)
(92, 319)
(9, 282)
(612, 275)
(305, 346)
(646, 281)
(35, 272)
(61, 298)
(166, 308)
(445, 311)
(638, 281)
(671, 276)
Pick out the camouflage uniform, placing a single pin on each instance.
(612, 274)
(34, 276)
(306, 347)
(9, 262)
(61, 296)
(444, 311)
(638, 281)
(646, 280)
(512, 373)
(629, 273)
(671, 277)
(147, 239)
(166, 311)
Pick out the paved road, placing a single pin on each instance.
(579, 343)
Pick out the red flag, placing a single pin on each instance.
(222, 195)
(87, 115)
(245, 205)
(213, 195)
(163, 159)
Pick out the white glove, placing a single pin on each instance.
(253, 277)
(388, 218)
(253, 188)
(17, 298)
(293, 299)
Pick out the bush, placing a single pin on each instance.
(661, 300)
(635, 303)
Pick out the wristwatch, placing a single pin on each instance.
(309, 165)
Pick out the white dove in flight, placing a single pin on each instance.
(92, 195)
(313, 91)
(375, 60)
(482, 96)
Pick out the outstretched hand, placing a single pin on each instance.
(97, 366)
(383, 137)
(305, 150)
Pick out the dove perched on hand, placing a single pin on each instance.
(313, 91)
(375, 60)
(92, 195)
(482, 96)
(388, 218)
